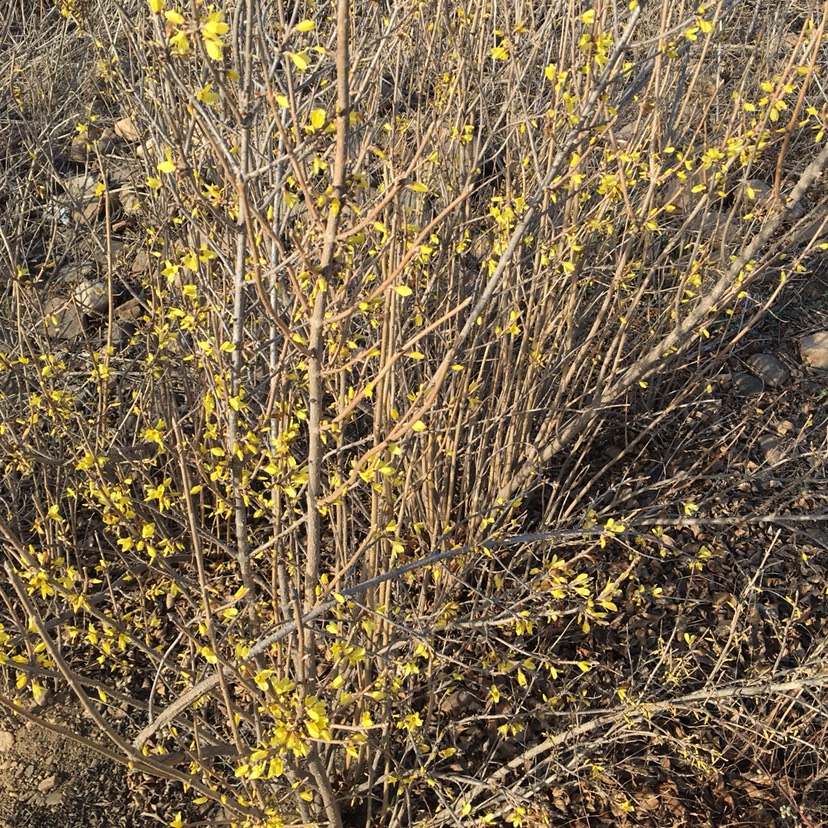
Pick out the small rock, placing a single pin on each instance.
(786, 427)
(816, 288)
(756, 193)
(769, 369)
(62, 319)
(613, 452)
(6, 741)
(795, 210)
(74, 273)
(755, 190)
(140, 263)
(126, 130)
(47, 784)
(769, 446)
(746, 385)
(460, 702)
(54, 798)
(680, 193)
(131, 310)
(627, 134)
(80, 187)
(815, 232)
(82, 191)
(108, 141)
(91, 297)
(28, 771)
(79, 150)
(814, 349)
(84, 149)
(149, 149)
(722, 228)
(130, 202)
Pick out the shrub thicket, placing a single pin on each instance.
(379, 468)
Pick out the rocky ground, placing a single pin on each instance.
(48, 778)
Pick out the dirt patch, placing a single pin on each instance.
(47, 779)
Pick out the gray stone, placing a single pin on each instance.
(680, 193)
(785, 427)
(91, 297)
(756, 193)
(80, 187)
(721, 228)
(769, 446)
(6, 741)
(125, 129)
(123, 334)
(108, 141)
(814, 349)
(130, 311)
(79, 150)
(140, 263)
(47, 784)
(129, 201)
(82, 191)
(816, 287)
(54, 798)
(769, 369)
(755, 190)
(73, 273)
(84, 150)
(62, 319)
(613, 451)
(746, 385)
(795, 210)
